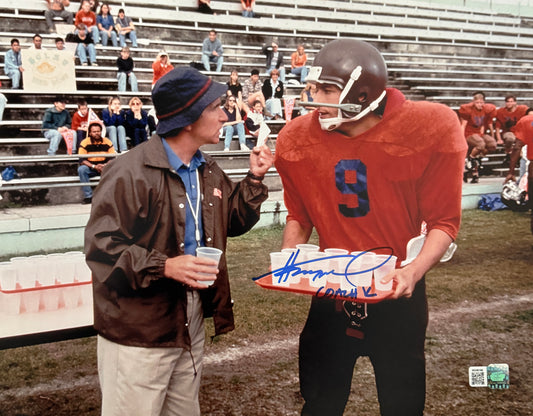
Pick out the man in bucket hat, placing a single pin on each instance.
(153, 207)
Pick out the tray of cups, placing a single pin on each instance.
(44, 283)
(334, 273)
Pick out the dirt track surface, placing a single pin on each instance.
(261, 377)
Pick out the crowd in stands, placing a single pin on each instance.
(247, 105)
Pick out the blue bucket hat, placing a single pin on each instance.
(181, 96)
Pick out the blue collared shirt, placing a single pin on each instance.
(188, 177)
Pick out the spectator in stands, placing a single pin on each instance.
(252, 89)
(80, 122)
(506, 118)
(212, 51)
(476, 118)
(253, 121)
(248, 8)
(93, 166)
(94, 5)
(60, 44)
(273, 93)
(37, 42)
(161, 66)
(125, 71)
(306, 96)
(298, 62)
(56, 121)
(88, 18)
(3, 102)
(126, 29)
(85, 46)
(234, 125)
(56, 8)
(13, 64)
(274, 60)
(235, 87)
(106, 26)
(113, 118)
(136, 121)
(204, 6)
(150, 298)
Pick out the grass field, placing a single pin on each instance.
(481, 312)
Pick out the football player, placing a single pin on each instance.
(365, 169)
(524, 135)
(506, 117)
(476, 118)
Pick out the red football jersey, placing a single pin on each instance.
(374, 190)
(524, 132)
(505, 120)
(476, 118)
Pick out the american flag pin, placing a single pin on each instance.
(217, 192)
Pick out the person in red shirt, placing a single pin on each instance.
(364, 170)
(506, 118)
(476, 117)
(161, 66)
(88, 18)
(523, 131)
(80, 122)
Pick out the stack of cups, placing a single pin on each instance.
(27, 278)
(10, 302)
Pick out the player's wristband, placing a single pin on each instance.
(252, 176)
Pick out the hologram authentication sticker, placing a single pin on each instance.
(494, 376)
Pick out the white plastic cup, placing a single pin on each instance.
(209, 253)
(278, 260)
(26, 271)
(304, 249)
(388, 264)
(10, 303)
(83, 273)
(71, 296)
(363, 264)
(31, 301)
(86, 294)
(66, 269)
(318, 265)
(8, 276)
(50, 298)
(338, 265)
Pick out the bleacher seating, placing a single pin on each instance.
(433, 52)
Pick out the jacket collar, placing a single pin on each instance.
(156, 156)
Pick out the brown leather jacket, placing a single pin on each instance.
(137, 221)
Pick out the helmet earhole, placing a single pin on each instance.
(362, 97)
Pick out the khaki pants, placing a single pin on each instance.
(153, 381)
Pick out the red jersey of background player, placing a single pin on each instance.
(505, 119)
(476, 119)
(524, 132)
(374, 190)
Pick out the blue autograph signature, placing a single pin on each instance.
(293, 269)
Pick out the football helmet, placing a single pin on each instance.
(514, 197)
(359, 70)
